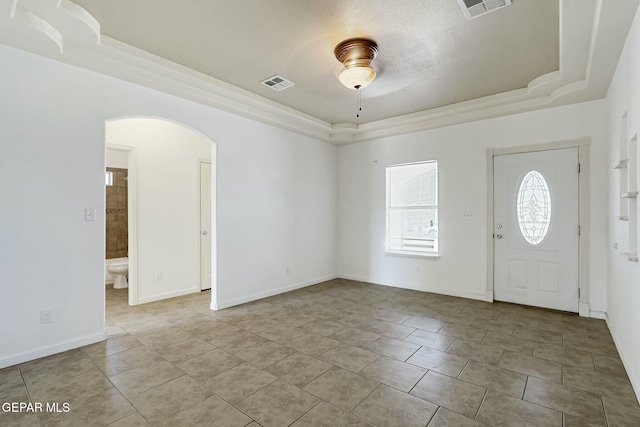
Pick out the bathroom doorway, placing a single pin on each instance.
(165, 229)
(120, 218)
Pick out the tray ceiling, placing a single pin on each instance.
(435, 68)
(430, 55)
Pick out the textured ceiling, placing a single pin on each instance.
(430, 55)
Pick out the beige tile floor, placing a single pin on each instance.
(340, 353)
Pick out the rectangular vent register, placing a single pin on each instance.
(278, 83)
(475, 8)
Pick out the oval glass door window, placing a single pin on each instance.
(534, 207)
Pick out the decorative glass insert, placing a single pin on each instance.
(534, 207)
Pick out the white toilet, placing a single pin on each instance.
(118, 268)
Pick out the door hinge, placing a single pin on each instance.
(579, 230)
(578, 293)
(579, 168)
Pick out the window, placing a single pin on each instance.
(534, 207)
(412, 209)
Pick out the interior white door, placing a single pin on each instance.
(205, 225)
(536, 229)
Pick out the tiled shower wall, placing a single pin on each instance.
(117, 228)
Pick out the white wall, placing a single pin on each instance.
(461, 152)
(277, 208)
(277, 198)
(167, 204)
(624, 276)
(117, 158)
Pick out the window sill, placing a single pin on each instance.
(430, 255)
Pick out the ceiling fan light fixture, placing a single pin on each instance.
(357, 77)
(356, 55)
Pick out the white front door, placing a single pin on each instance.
(205, 225)
(536, 229)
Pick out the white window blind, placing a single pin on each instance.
(412, 208)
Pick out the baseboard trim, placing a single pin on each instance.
(635, 381)
(51, 349)
(167, 295)
(598, 314)
(584, 310)
(469, 295)
(226, 304)
(488, 295)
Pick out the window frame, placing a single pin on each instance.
(108, 179)
(434, 254)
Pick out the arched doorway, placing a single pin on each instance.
(165, 231)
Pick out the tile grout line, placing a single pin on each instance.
(524, 390)
(501, 357)
(24, 382)
(606, 413)
(158, 385)
(450, 345)
(433, 416)
(366, 397)
(463, 369)
(415, 385)
(310, 409)
(417, 350)
(486, 392)
(116, 388)
(536, 346)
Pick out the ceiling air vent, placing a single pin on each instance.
(278, 83)
(474, 8)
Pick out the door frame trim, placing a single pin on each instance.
(583, 212)
(202, 160)
(132, 218)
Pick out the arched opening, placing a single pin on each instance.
(170, 243)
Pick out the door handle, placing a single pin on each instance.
(204, 233)
(498, 236)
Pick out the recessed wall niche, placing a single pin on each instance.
(622, 166)
(632, 196)
(628, 188)
(117, 215)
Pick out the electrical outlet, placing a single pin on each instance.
(158, 276)
(417, 269)
(468, 215)
(46, 316)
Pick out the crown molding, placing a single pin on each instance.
(64, 31)
(128, 63)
